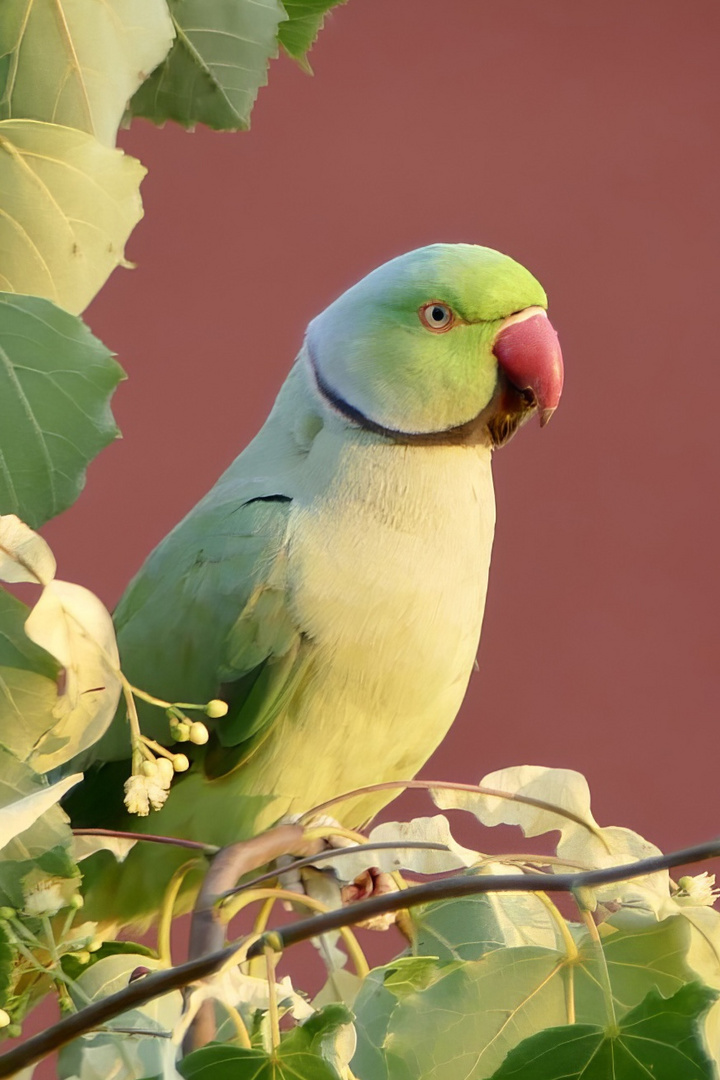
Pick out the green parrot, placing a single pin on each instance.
(331, 585)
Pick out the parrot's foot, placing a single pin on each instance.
(372, 882)
(324, 884)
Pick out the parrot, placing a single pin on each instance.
(330, 587)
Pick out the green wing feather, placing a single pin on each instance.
(209, 616)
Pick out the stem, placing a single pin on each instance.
(154, 838)
(602, 960)
(571, 951)
(272, 998)
(259, 927)
(157, 747)
(322, 856)
(351, 943)
(166, 911)
(243, 1035)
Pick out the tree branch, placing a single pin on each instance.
(207, 930)
(161, 982)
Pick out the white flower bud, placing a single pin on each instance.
(4, 1019)
(165, 772)
(180, 763)
(199, 734)
(149, 768)
(216, 708)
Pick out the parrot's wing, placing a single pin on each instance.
(214, 596)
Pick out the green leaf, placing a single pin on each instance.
(217, 65)
(77, 64)
(466, 928)
(299, 1056)
(488, 1006)
(56, 381)
(639, 959)
(659, 1039)
(69, 204)
(305, 21)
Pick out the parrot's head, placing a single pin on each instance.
(448, 343)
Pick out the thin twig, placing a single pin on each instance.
(333, 853)
(162, 982)
(468, 885)
(194, 845)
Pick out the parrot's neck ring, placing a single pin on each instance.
(493, 426)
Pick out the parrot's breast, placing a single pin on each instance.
(389, 576)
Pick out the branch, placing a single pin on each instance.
(469, 885)
(207, 931)
(161, 982)
(194, 845)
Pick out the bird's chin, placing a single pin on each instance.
(508, 411)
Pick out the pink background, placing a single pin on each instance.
(582, 140)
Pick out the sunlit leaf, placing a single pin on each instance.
(56, 381)
(349, 864)
(305, 21)
(638, 959)
(74, 626)
(24, 555)
(16, 817)
(216, 66)
(488, 1006)
(547, 800)
(659, 1039)
(77, 64)
(69, 204)
(42, 850)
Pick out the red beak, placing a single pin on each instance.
(528, 351)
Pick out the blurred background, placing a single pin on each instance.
(580, 139)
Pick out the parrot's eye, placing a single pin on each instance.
(436, 316)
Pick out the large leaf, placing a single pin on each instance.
(77, 64)
(638, 959)
(69, 204)
(305, 21)
(487, 1007)
(56, 381)
(217, 65)
(661, 1039)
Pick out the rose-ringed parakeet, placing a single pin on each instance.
(331, 585)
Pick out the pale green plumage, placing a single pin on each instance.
(331, 585)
